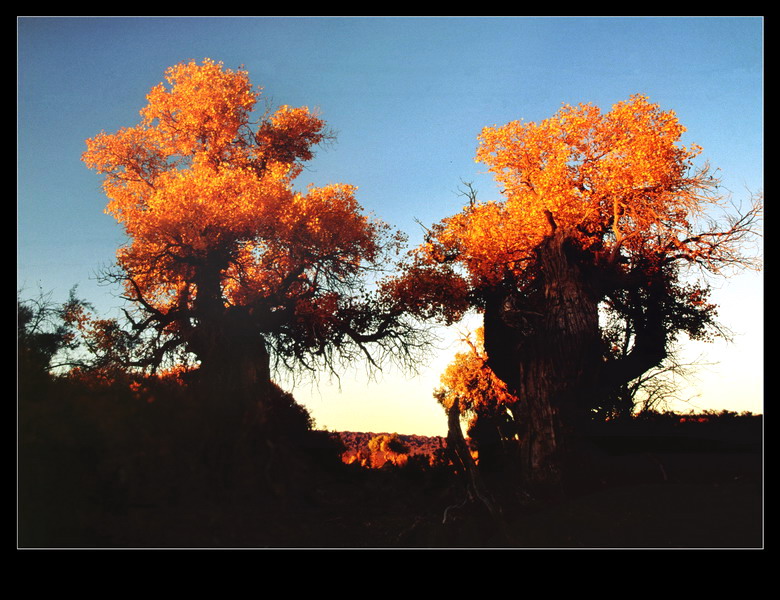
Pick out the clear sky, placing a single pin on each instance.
(407, 98)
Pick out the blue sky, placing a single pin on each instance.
(407, 98)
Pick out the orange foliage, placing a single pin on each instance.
(619, 185)
(186, 183)
(207, 202)
(616, 182)
(469, 380)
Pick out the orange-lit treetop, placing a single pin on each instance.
(617, 182)
(216, 228)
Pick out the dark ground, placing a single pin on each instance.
(636, 491)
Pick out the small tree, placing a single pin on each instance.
(392, 448)
(493, 412)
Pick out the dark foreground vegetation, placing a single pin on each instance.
(108, 465)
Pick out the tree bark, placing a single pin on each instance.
(476, 491)
(544, 343)
(235, 364)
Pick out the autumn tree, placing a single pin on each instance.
(601, 213)
(492, 412)
(391, 447)
(225, 261)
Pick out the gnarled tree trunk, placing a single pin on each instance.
(235, 364)
(544, 343)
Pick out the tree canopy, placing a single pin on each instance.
(620, 184)
(225, 259)
(620, 190)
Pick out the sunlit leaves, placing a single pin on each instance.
(201, 110)
(471, 382)
(620, 178)
(289, 135)
(189, 182)
(206, 198)
(621, 185)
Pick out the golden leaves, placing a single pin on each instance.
(470, 380)
(619, 178)
(201, 109)
(289, 135)
(196, 187)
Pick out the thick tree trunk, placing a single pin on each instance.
(233, 386)
(235, 364)
(546, 348)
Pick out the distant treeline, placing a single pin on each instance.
(668, 431)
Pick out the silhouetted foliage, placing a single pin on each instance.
(46, 331)
(127, 463)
